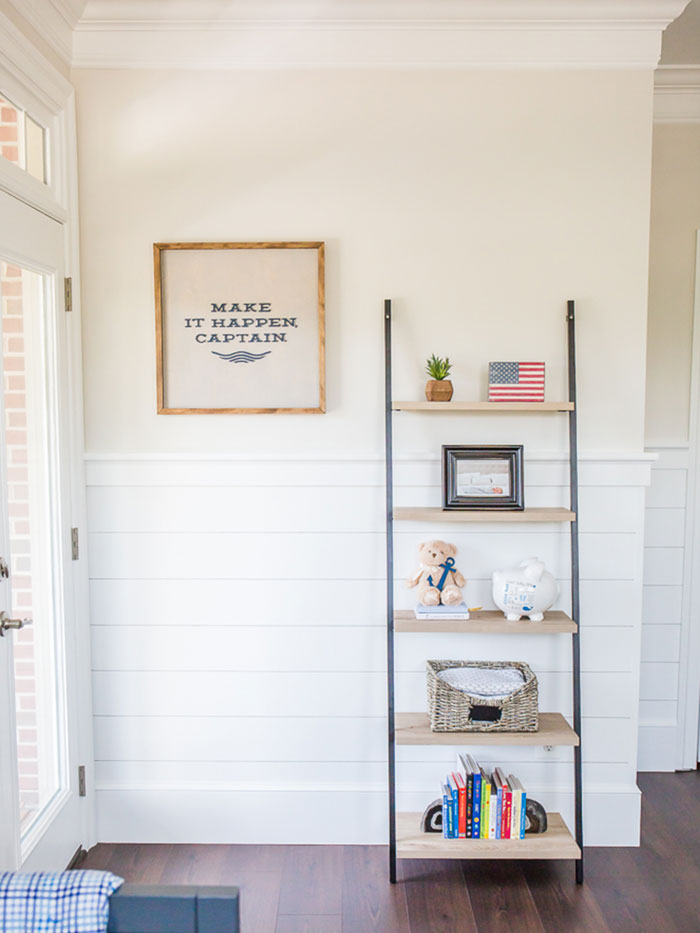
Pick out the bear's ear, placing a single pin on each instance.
(451, 549)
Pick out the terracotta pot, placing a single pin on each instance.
(438, 390)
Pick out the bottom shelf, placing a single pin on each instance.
(556, 843)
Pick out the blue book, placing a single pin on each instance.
(450, 812)
(499, 811)
(522, 816)
(476, 797)
(446, 803)
(455, 806)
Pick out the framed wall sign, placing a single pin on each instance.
(482, 477)
(240, 328)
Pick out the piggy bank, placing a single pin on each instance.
(526, 590)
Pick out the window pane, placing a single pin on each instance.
(28, 490)
(22, 140)
(10, 126)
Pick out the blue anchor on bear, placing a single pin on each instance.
(447, 567)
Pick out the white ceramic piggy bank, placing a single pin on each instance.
(526, 590)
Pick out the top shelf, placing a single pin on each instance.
(490, 407)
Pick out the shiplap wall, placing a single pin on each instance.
(663, 607)
(239, 645)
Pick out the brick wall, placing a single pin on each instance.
(9, 131)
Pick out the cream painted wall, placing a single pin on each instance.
(237, 595)
(675, 217)
(479, 201)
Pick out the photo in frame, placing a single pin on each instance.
(240, 328)
(482, 477)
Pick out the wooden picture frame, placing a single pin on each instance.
(286, 292)
(480, 487)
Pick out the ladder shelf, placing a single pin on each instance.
(407, 728)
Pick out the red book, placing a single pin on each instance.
(507, 812)
(458, 778)
(507, 808)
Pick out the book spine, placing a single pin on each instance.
(455, 811)
(470, 803)
(450, 817)
(445, 816)
(523, 815)
(507, 808)
(515, 816)
(485, 809)
(499, 811)
(476, 814)
(462, 820)
(493, 801)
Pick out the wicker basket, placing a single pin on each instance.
(452, 710)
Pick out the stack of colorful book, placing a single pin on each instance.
(477, 804)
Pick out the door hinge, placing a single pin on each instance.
(68, 293)
(82, 789)
(74, 544)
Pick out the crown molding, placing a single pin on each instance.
(372, 33)
(20, 61)
(54, 21)
(677, 94)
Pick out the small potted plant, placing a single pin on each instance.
(438, 388)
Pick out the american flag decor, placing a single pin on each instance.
(516, 382)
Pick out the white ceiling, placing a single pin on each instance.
(681, 41)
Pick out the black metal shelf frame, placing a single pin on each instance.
(575, 595)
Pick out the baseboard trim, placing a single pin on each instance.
(340, 817)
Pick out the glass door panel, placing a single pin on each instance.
(39, 710)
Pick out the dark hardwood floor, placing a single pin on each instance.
(344, 889)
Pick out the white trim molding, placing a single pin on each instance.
(373, 34)
(54, 21)
(37, 87)
(677, 94)
(34, 84)
(689, 679)
(350, 814)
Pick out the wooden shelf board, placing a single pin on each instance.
(489, 621)
(430, 514)
(414, 729)
(556, 843)
(486, 407)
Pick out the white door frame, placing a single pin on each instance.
(689, 668)
(35, 84)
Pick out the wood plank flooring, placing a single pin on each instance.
(344, 889)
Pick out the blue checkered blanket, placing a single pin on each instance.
(59, 902)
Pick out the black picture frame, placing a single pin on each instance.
(454, 496)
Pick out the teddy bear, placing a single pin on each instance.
(439, 581)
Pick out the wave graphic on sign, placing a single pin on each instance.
(241, 356)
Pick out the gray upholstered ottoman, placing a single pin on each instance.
(155, 908)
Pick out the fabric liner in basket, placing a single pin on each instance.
(452, 709)
(484, 682)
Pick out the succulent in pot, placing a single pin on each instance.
(438, 388)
